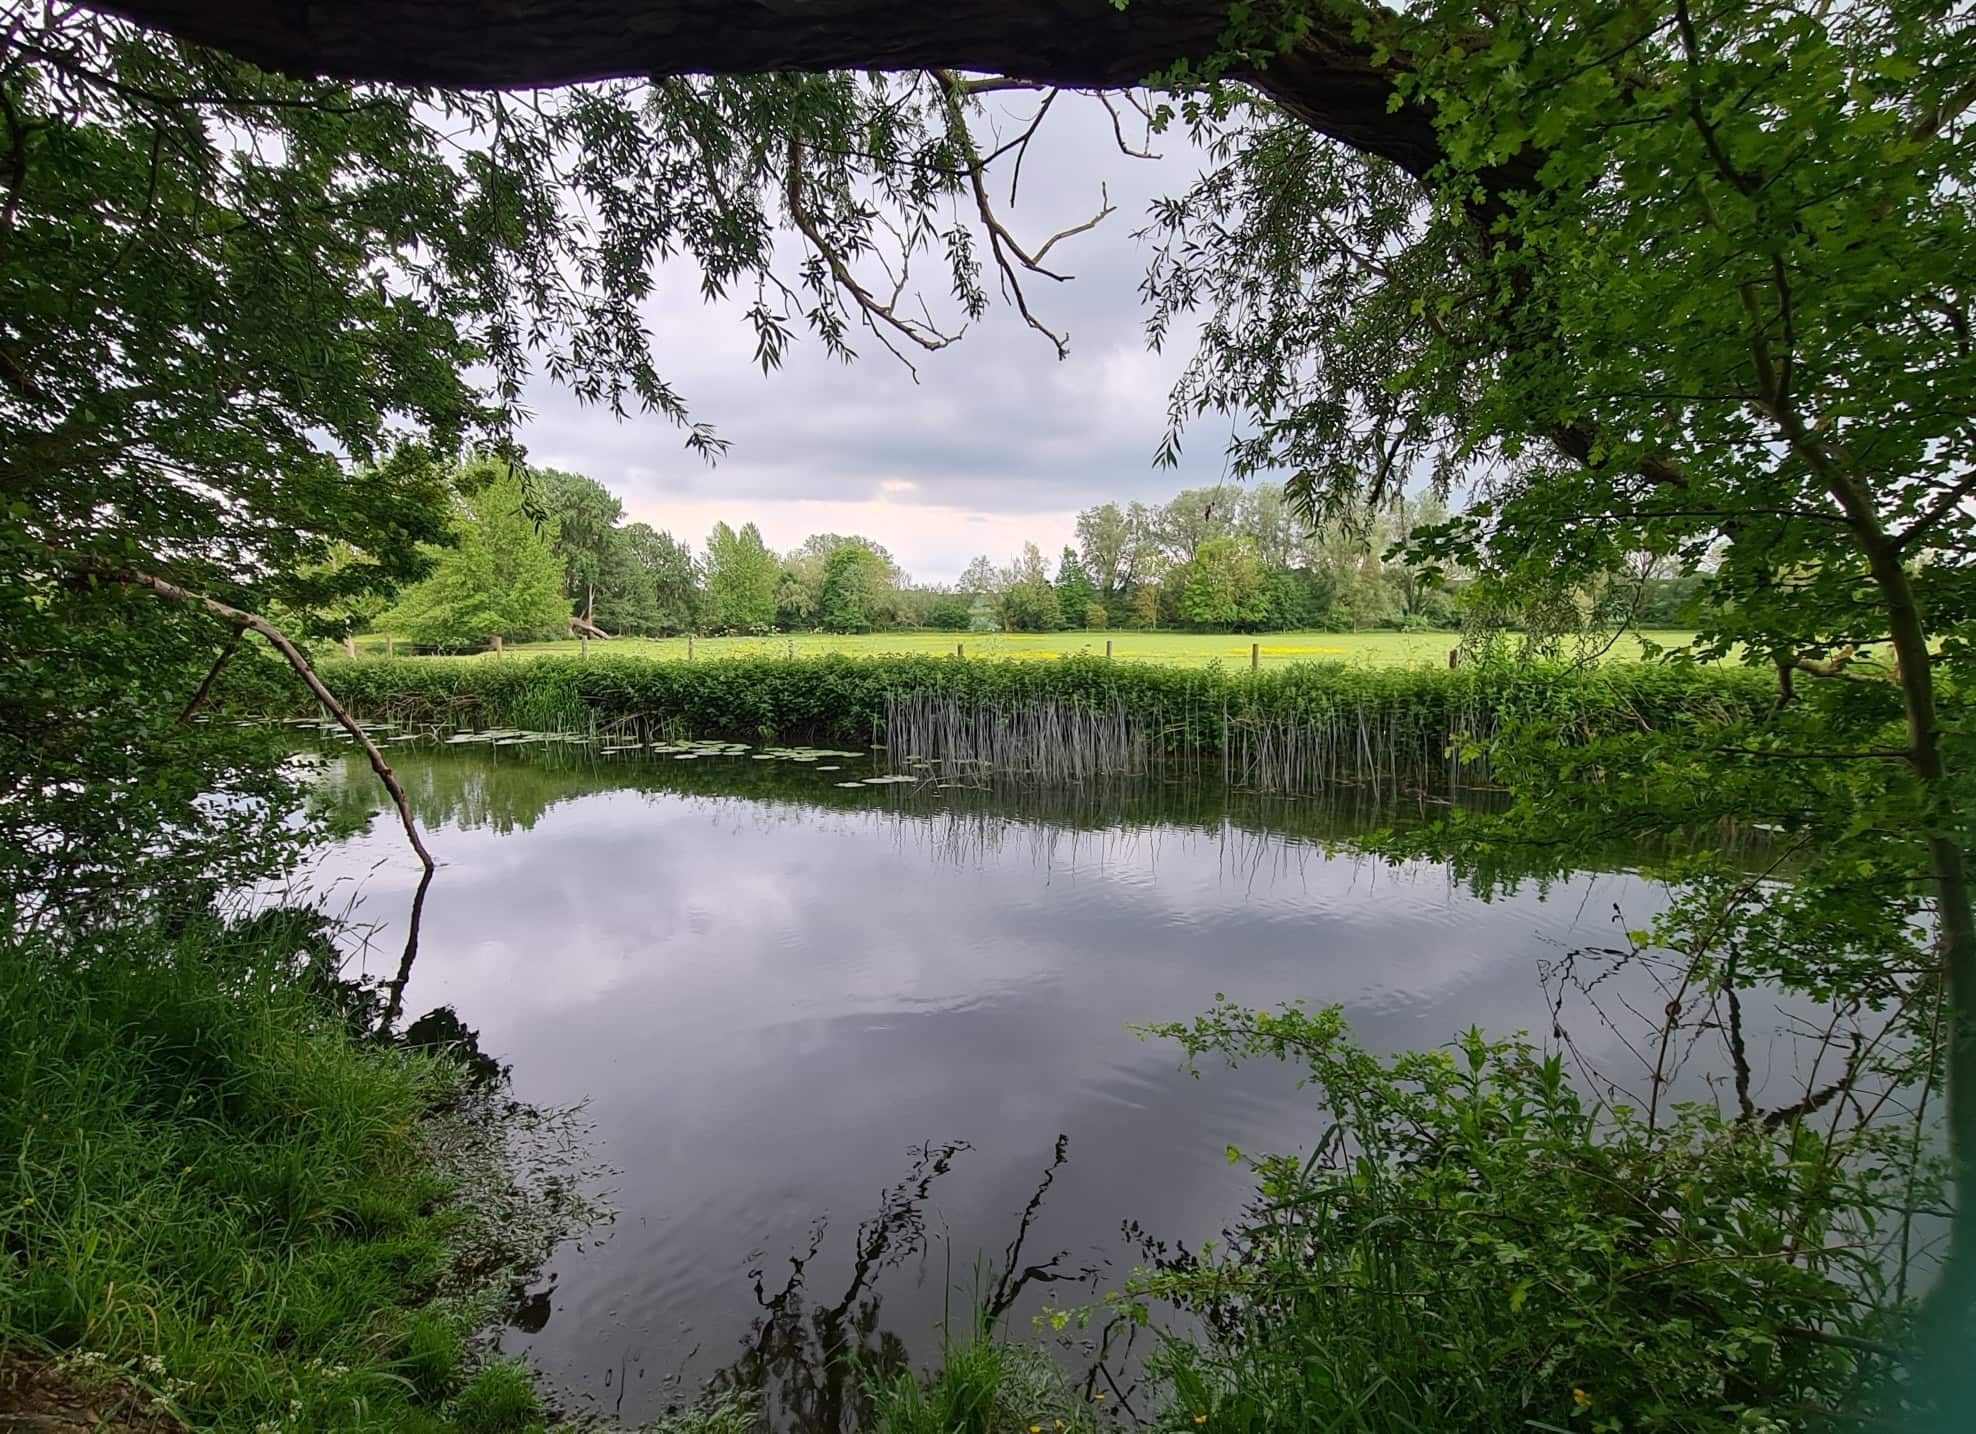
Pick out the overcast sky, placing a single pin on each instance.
(997, 443)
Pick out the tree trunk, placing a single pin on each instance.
(1946, 1314)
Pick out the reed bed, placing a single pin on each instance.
(1076, 720)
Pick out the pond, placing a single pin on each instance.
(832, 1039)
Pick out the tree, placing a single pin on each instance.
(1492, 277)
(800, 591)
(981, 578)
(1146, 606)
(950, 612)
(675, 577)
(586, 514)
(856, 581)
(1075, 590)
(741, 579)
(1223, 586)
(1107, 542)
(501, 577)
(1028, 598)
(1193, 516)
(624, 598)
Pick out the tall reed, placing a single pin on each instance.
(1292, 730)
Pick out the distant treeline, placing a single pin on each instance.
(551, 553)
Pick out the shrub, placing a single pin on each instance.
(952, 613)
(1095, 616)
(1473, 1246)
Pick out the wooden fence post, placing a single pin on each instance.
(583, 638)
(1454, 656)
(390, 646)
(1255, 657)
(960, 649)
(1108, 643)
(349, 645)
(497, 644)
(689, 647)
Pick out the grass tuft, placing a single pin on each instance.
(501, 1399)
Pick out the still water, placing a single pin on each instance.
(780, 999)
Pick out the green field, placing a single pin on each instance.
(1173, 649)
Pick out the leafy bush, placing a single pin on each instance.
(1473, 1246)
(950, 613)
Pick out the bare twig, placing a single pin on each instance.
(219, 665)
(876, 311)
(1118, 126)
(1008, 251)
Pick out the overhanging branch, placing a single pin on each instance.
(241, 619)
(1329, 79)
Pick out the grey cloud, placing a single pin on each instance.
(994, 424)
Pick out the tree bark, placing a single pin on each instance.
(1951, 1301)
(1329, 80)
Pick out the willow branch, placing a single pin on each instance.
(876, 311)
(280, 642)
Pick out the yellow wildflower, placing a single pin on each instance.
(1581, 1399)
(1200, 1418)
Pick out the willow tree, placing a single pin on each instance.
(1647, 278)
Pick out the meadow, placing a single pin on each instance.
(1168, 649)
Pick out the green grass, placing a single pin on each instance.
(1171, 649)
(210, 1189)
(982, 1384)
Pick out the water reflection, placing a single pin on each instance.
(774, 993)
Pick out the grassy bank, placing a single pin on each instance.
(220, 1206)
(1166, 649)
(1288, 729)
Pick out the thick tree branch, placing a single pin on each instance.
(1944, 505)
(1328, 79)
